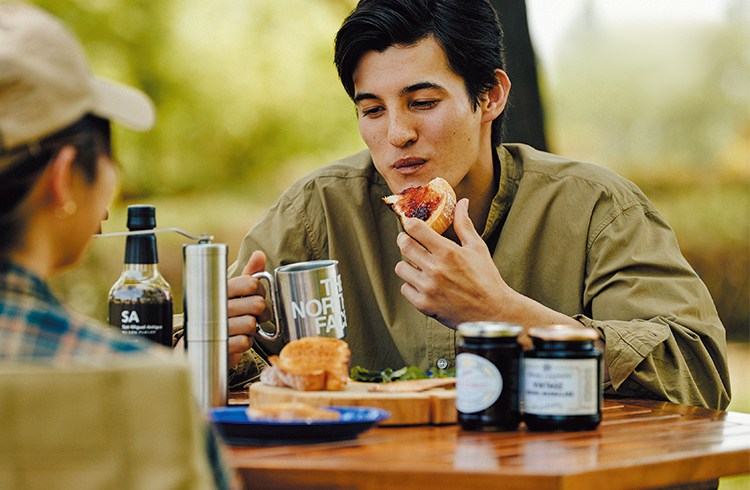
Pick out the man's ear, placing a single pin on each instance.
(497, 97)
(61, 177)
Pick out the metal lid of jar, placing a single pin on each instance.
(489, 329)
(563, 333)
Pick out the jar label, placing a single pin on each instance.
(478, 383)
(561, 386)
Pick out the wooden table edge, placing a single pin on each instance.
(267, 473)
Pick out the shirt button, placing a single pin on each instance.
(442, 363)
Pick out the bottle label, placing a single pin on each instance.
(478, 383)
(561, 386)
(150, 320)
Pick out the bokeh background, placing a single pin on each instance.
(248, 101)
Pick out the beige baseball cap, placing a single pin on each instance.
(46, 84)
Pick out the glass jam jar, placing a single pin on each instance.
(488, 376)
(562, 382)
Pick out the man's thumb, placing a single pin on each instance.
(256, 263)
(462, 224)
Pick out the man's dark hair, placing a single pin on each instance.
(467, 30)
(90, 136)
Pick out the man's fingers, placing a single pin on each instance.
(249, 305)
(236, 346)
(420, 231)
(246, 307)
(408, 245)
(256, 263)
(242, 325)
(239, 344)
(233, 359)
(244, 286)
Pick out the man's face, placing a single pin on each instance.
(418, 121)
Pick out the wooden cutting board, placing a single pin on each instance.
(436, 406)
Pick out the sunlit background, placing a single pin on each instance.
(248, 101)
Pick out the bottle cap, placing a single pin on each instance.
(141, 217)
(563, 333)
(489, 329)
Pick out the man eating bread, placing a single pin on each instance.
(536, 239)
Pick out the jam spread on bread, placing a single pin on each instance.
(433, 203)
(419, 202)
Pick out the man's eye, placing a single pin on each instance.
(372, 111)
(424, 104)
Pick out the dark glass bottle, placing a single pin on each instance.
(488, 376)
(140, 302)
(562, 379)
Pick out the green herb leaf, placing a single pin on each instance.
(412, 372)
(358, 373)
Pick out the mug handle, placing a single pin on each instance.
(272, 287)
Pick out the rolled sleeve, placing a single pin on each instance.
(661, 330)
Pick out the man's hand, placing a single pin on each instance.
(246, 307)
(450, 282)
(458, 283)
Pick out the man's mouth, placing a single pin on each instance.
(407, 165)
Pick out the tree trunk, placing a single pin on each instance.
(524, 121)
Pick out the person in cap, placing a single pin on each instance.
(57, 176)
(57, 173)
(537, 238)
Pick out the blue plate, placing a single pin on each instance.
(237, 429)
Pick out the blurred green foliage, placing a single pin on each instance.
(655, 101)
(242, 88)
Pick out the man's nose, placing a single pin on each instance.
(401, 130)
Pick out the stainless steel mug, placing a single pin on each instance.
(307, 299)
(206, 331)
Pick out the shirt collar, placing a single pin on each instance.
(14, 278)
(510, 176)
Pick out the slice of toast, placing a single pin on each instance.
(433, 203)
(310, 364)
(291, 412)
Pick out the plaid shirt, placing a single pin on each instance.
(34, 325)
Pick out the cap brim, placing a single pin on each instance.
(123, 104)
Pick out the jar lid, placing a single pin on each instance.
(563, 333)
(489, 329)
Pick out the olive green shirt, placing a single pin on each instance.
(573, 236)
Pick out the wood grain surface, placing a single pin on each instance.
(434, 406)
(639, 444)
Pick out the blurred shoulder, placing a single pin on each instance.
(537, 161)
(355, 173)
(540, 168)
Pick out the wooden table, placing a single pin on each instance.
(639, 444)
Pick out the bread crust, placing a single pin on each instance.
(438, 197)
(291, 412)
(310, 364)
